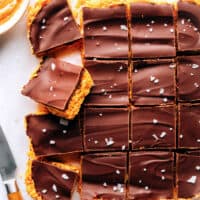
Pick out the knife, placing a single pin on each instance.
(8, 168)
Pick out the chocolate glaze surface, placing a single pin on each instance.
(53, 26)
(153, 82)
(51, 182)
(103, 176)
(151, 176)
(152, 30)
(188, 77)
(110, 83)
(188, 26)
(54, 84)
(105, 32)
(153, 127)
(188, 175)
(53, 135)
(106, 128)
(189, 126)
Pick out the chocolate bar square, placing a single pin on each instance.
(188, 26)
(50, 135)
(110, 83)
(189, 126)
(106, 129)
(153, 82)
(103, 176)
(188, 78)
(188, 175)
(152, 30)
(153, 127)
(105, 32)
(151, 175)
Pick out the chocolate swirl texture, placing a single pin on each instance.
(110, 83)
(54, 83)
(105, 32)
(151, 175)
(52, 182)
(188, 175)
(106, 129)
(153, 127)
(188, 78)
(152, 30)
(189, 126)
(103, 176)
(53, 26)
(153, 82)
(52, 135)
(188, 26)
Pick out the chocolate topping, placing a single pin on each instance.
(188, 175)
(152, 30)
(54, 84)
(189, 126)
(151, 175)
(153, 82)
(188, 27)
(53, 135)
(110, 83)
(103, 176)
(53, 26)
(105, 32)
(106, 129)
(51, 182)
(153, 127)
(188, 78)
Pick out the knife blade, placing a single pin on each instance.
(8, 168)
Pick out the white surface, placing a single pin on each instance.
(16, 65)
(15, 18)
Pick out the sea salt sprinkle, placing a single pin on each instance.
(57, 196)
(66, 19)
(65, 176)
(53, 66)
(197, 168)
(155, 121)
(195, 66)
(44, 130)
(117, 171)
(52, 142)
(163, 134)
(44, 191)
(105, 184)
(118, 188)
(109, 141)
(54, 188)
(104, 28)
(123, 27)
(64, 122)
(192, 180)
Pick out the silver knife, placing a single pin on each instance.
(8, 168)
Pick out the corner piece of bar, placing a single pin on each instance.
(151, 175)
(188, 25)
(154, 82)
(106, 129)
(189, 126)
(59, 86)
(51, 135)
(188, 81)
(51, 25)
(153, 127)
(188, 175)
(103, 176)
(106, 32)
(152, 30)
(110, 83)
(50, 181)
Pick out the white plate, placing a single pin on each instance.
(15, 18)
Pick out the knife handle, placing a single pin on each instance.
(12, 190)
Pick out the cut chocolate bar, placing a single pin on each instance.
(188, 26)
(152, 30)
(106, 129)
(50, 182)
(188, 78)
(189, 126)
(151, 175)
(110, 83)
(51, 25)
(51, 135)
(60, 86)
(105, 32)
(153, 82)
(153, 127)
(103, 176)
(188, 175)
